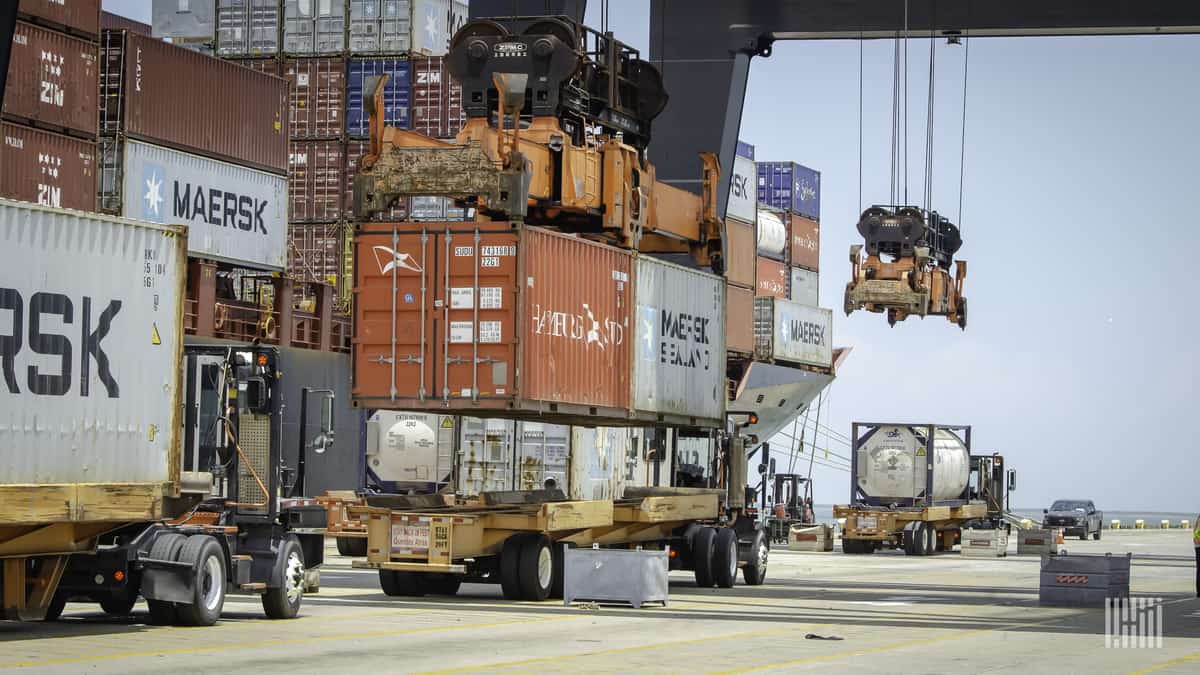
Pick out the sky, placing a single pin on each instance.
(1081, 161)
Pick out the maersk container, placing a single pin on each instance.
(789, 332)
(679, 363)
(396, 94)
(101, 300)
(247, 27)
(789, 186)
(314, 27)
(434, 22)
(233, 213)
(380, 26)
(741, 204)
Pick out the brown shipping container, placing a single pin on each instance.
(266, 66)
(805, 243)
(192, 102)
(772, 278)
(739, 251)
(48, 169)
(110, 21)
(52, 81)
(354, 152)
(317, 103)
(739, 319)
(538, 322)
(437, 108)
(81, 17)
(315, 252)
(316, 181)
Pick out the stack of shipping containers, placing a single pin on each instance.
(740, 267)
(789, 194)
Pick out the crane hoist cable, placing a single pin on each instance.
(928, 179)
(905, 101)
(812, 457)
(860, 120)
(962, 157)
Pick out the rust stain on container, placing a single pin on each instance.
(805, 243)
(739, 319)
(772, 278)
(437, 108)
(168, 95)
(524, 322)
(80, 17)
(315, 181)
(52, 81)
(740, 252)
(354, 152)
(48, 169)
(317, 102)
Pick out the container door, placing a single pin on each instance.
(485, 456)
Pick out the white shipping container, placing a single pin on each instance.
(91, 316)
(792, 332)
(742, 194)
(434, 22)
(679, 361)
(233, 213)
(805, 286)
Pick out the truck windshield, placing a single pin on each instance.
(1064, 505)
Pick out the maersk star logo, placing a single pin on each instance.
(153, 195)
(431, 31)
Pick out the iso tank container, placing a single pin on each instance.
(679, 358)
(312, 27)
(91, 392)
(317, 101)
(48, 169)
(233, 213)
(166, 95)
(78, 17)
(245, 27)
(789, 186)
(893, 464)
(437, 108)
(788, 332)
(52, 81)
(396, 94)
(466, 317)
(772, 234)
(410, 447)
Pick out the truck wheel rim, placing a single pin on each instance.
(762, 557)
(212, 582)
(545, 567)
(733, 561)
(293, 577)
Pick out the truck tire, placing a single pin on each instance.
(444, 584)
(207, 559)
(284, 600)
(536, 567)
(852, 546)
(755, 571)
(702, 556)
(120, 602)
(1084, 535)
(510, 567)
(396, 584)
(910, 538)
(166, 547)
(725, 558)
(352, 547)
(1096, 535)
(929, 540)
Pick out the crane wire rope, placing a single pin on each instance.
(813, 456)
(962, 157)
(860, 121)
(895, 159)
(906, 102)
(928, 179)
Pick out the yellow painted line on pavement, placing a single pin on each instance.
(1167, 664)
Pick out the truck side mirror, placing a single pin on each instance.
(1012, 480)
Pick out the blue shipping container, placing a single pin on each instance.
(396, 94)
(790, 187)
(744, 149)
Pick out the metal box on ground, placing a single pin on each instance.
(1083, 580)
(1037, 542)
(985, 543)
(790, 332)
(52, 81)
(816, 538)
(615, 575)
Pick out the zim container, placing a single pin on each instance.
(315, 181)
(48, 169)
(52, 81)
(78, 17)
(317, 100)
(396, 94)
(437, 108)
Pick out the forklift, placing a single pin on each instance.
(236, 526)
(793, 506)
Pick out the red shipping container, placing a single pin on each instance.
(79, 17)
(805, 243)
(437, 108)
(110, 21)
(531, 323)
(315, 252)
(354, 152)
(772, 278)
(53, 80)
(316, 181)
(48, 169)
(266, 66)
(739, 319)
(317, 102)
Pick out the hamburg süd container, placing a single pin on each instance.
(52, 81)
(786, 331)
(434, 22)
(396, 94)
(315, 252)
(466, 317)
(246, 27)
(740, 249)
(772, 278)
(892, 464)
(739, 319)
(314, 27)
(102, 300)
(772, 234)
(805, 246)
(78, 17)
(789, 186)
(316, 181)
(48, 169)
(437, 108)
(742, 193)
(805, 286)
(380, 26)
(166, 95)
(317, 101)
(679, 361)
(233, 213)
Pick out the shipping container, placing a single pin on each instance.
(380, 26)
(437, 209)
(598, 462)
(167, 95)
(247, 27)
(111, 417)
(396, 94)
(314, 27)
(110, 21)
(739, 319)
(805, 287)
(789, 186)
(742, 194)
(318, 97)
(485, 458)
(185, 20)
(78, 17)
(521, 322)
(786, 331)
(268, 66)
(805, 242)
(679, 366)
(740, 247)
(398, 213)
(316, 181)
(52, 81)
(410, 448)
(746, 150)
(437, 108)
(234, 214)
(315, 252)
(434, 22)
(772, 233)
(772, 278)
(48, 169)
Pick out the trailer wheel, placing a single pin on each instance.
(121, 602)
(352, 547)
(396, 584)
(283, 601)
(851, 546)
(928, 538)
(725, 558)
(536, 567)
(166, 547)
(755, 571)
(510, 567)
(444, 584)
(702, 556)
(208, 581)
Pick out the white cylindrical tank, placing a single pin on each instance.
(892, 464)
(772, 234)
(409, 447)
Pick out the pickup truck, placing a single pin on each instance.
(1076, 517)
